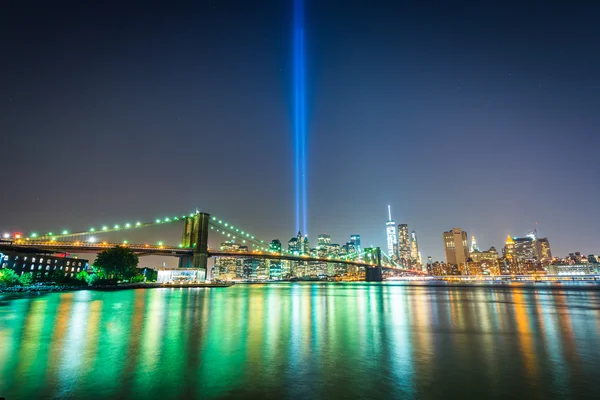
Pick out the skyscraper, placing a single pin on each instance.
(355, 239)
(323, 240)
(543, 249)
(456, 246)
(414, 250)
(392, 238)
(404, 245)
(474, 246)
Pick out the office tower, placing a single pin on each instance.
(230, 268)
(474, 246)
(296, 244)
(414, 250)
(508, 251)
(521, 248)
(543, 249)
(456, 246)
(355, 239)
(404, 249)
(305, 246)
(392, 239)
(323, 241)
(275, 246)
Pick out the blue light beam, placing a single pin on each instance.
(300, 117)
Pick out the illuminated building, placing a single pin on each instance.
(456, 246)
(41, 265)
(355, 240)
(230, 268)
(528, 249)
(392, 239)
(295, 244)
(414, 251)
(305, 248)
(573, 269)
(474, 244)
(404, 248)
(323, 241)
(543, 250)
(350, 248)
(275, 266)
(525, 248)
(275, 246)
(256, 269)
(487, 261)
(508, 251)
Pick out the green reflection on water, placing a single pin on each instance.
(300, 341)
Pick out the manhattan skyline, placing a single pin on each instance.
(473, 117)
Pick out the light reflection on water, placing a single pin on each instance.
(302, 340)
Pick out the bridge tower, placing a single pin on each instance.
(195, 236)
(373, 256)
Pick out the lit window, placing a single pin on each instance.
(32, 267)
(33, 259)
(68, 263)
(41, 260)
(47, 268)
(39, 267)
(17, 257)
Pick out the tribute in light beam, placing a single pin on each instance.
(299, 117)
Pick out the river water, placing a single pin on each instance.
(302, 341)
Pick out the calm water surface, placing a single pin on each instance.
(301, 341)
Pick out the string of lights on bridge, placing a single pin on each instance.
(226, 229)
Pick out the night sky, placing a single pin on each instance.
(481, 115)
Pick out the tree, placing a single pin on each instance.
(8, 277)
(118, 262)
(83, 276)
(26, 279)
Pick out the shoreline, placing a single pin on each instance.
(553, 286)
(107, 288)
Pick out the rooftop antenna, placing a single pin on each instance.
(389, 213)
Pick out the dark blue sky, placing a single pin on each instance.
(481, 115)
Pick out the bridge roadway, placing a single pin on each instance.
(173, 251)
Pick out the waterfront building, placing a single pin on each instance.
(573, 269)
(404, 248)
(180, 275)
(41, 265)
(392, 238)
(230, 268)
(456, 247)
(485, 261)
